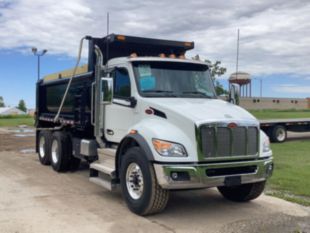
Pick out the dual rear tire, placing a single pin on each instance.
(56, 149)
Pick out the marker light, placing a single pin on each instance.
(162, 55)
(133, 131)
(133, 55)
(266, 145)
(172, 56)
(120, 37)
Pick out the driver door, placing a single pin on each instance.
(119, 115)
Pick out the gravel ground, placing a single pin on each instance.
(33, 198)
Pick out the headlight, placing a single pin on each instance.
(266, 145)
(169, 149)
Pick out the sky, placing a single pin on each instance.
(274, 37)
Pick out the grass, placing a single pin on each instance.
(11, 121)
(280, 114)
(291, 177)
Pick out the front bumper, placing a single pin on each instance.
(190, 176)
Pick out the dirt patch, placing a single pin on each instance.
(10, 140)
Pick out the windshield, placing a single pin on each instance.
(173, 79)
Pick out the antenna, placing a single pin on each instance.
(107, 40)
(237, 60)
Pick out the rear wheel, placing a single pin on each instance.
(140, 189)
(60, 151)
(244, 192)
(44, 149)
(278, 133)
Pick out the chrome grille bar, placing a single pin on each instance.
(221, 141)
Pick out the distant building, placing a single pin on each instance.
(11, 111)
(31, 112)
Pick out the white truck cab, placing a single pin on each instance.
(158, 126)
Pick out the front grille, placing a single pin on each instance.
(219, 141)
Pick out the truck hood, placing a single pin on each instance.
(201, 111)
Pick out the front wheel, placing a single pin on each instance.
(140, 189)
(244, 192)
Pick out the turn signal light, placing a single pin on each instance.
(161, 145)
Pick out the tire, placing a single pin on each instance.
(244, 192)
(44, 147)
(152, 198)
(60, 151)
(278, 134)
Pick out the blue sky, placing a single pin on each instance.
(274, 44)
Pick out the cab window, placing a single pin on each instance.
(121, 83)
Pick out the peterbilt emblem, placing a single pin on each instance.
(232, 125)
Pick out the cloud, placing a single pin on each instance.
(292, 89)
(275, 35)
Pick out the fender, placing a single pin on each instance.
(129, 141)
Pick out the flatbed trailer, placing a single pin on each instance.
(277, 129)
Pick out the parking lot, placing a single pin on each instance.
(33, 198)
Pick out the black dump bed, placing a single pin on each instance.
(77, 107)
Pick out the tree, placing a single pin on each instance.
(22, 106)
(217, 71)
(1, 102)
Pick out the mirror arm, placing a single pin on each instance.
(133, 101)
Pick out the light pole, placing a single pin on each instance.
(39, 55)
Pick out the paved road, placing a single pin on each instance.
(33, 198)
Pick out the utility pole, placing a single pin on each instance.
(39, 55)
(237, 59)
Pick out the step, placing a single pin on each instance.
(107, 167)
(103, 183)
(106, 152)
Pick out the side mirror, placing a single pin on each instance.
(106, 94)
(234, 94)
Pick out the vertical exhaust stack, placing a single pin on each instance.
(98, 121)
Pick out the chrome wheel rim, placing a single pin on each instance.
(41, 147)
(55, 153)
(280, 135)
(134, 181)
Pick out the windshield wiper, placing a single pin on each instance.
(197, 93)
(157, 91)
(161, 92)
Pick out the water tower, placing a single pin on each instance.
(244, 81)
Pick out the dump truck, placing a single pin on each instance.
(147, 120)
